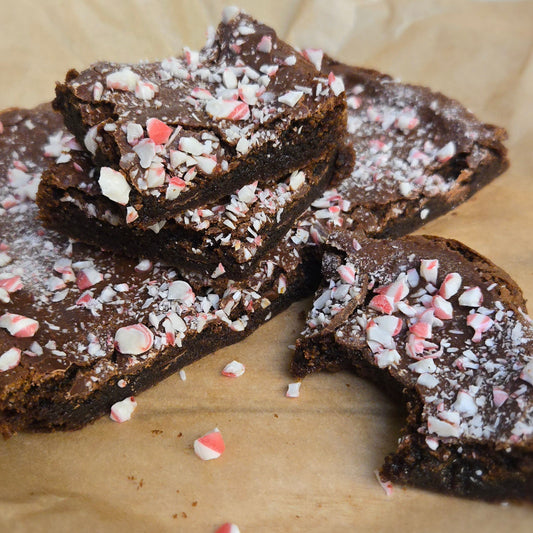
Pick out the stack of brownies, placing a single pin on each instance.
(219, 180)
(203, 161)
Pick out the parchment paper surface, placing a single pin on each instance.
(290, 465)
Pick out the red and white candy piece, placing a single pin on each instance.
(385, 485)
(446, 152)
(382, 303)
(210, 446)
(18, 325)
(233, 370)
(227, 109)
(158, 131)
(145, 149)
(87, 278)
(122, 411)
(134, 340)
(472, 297)
(265, 44)
(114, 185)
(9, 359)
(397, 290)
(315, 55)
(347, 273)
(387, 358)
(429, 270)
(336, 84)
(499, 396)
(228, 528)
(479, 323)
(145, 90)
(12, 284)
(442, 308)
(450, 285)
(122, 80)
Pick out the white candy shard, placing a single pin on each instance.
(291, 98)
(472, 297)
(134, 340)
(314, 55)
(229, 13)
(122, 80)
(444, 428)
(114, 185)
(446, 152)
(122, 411)
(9, 359)
(465, 404)
(191, 146)
(293, 390)
(387, 358)
(181, 291)
(233, 369)
(210, 446)
(134, 133)
(296, 180)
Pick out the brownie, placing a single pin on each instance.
(434, 323)
(419, 155)
(229, 237)
(81, 329)
(189, 130)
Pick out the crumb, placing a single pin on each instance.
(275, 415)
(157, 431)
(194, 504)
(141, 484)
(184, 514)
(175, 515)
(180, 434)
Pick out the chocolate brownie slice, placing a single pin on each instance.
(419, 155)
(431, 321)
(177, 134)
(81, 329)
(229, 237)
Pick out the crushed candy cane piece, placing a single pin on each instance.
(293, 390)
(336, 84)
(9, 359)
(227, 109)
(210, 446)
(472, 297)
(134, 340)
(18, 325)
(265, 44)
(12, 284)
(233, 370)
(451, 285)
(527, 373)
(314, 55)
(290, 98)
(480, 324)
(122, 411)
(385, 485)
(228, 528)
(429, 269)
(158, 131)
(122, 80)
(114, 185)
(88, 277)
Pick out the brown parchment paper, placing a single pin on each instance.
(290, 465)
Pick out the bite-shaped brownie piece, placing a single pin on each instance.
(433, 322)
(229, 237)
(190, 130)
(419, 154)
(81, 329)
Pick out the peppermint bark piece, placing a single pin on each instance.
(192, 129)
(82, 330)
(419, 155)
(434, 323)
(229, 237)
